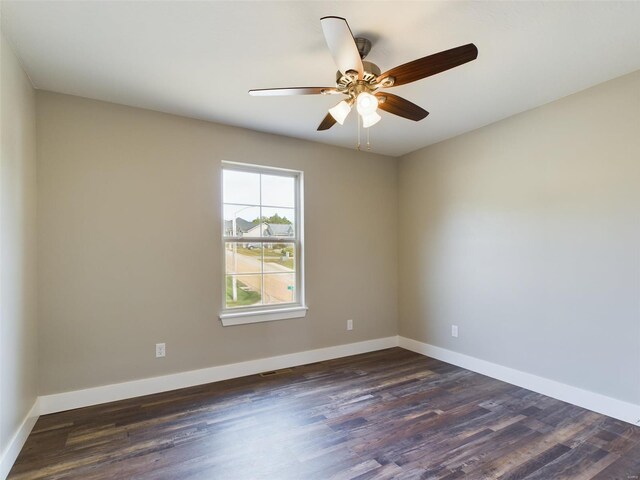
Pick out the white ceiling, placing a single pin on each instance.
(198, 59)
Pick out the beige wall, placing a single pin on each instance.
(526, 234)
(18, 361)
(130, 253)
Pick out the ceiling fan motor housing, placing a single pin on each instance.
(371, 72)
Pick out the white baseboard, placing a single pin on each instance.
(10, 453)
(46, 404)
(136, 388)
(596, 402)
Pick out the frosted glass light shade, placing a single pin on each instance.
(366, 104)
(370, 120)
(340, 111)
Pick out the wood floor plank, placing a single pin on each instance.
(391, 414)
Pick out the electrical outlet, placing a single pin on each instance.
(161, 350)
(454, 331)
(349, 324)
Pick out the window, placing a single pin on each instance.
(262, 244)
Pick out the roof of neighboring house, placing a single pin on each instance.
(273, 229)
(242, 225)
(256, 229)
(280, 229)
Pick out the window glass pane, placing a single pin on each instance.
(242, 221)
(278, 191)
(243, 290)
(279, 257)
(260, 205)
(241, 187)
(279, 222)
(279, 288)
(243, 257)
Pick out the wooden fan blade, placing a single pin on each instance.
(273, 92)
(327, 122)
(399, 106)
(341, 44)
(431, 64)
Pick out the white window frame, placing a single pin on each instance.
(266, 313)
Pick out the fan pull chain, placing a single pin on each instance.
(368, 143)
(358, 120)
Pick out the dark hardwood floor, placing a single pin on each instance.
(388, 414)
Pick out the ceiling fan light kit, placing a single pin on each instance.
(370, 120)
(341, 110)
(362, 82)
(366, 104)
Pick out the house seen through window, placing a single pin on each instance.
(262, 241)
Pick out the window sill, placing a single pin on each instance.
(258, 316)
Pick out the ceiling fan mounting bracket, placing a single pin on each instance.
(363, 45)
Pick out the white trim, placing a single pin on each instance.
(242, 318)
(258, 168)
(297, 241)
(46, 404)
(11, 452)
(596, 402)
(136, 388)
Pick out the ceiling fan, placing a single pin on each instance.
(362, 82)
